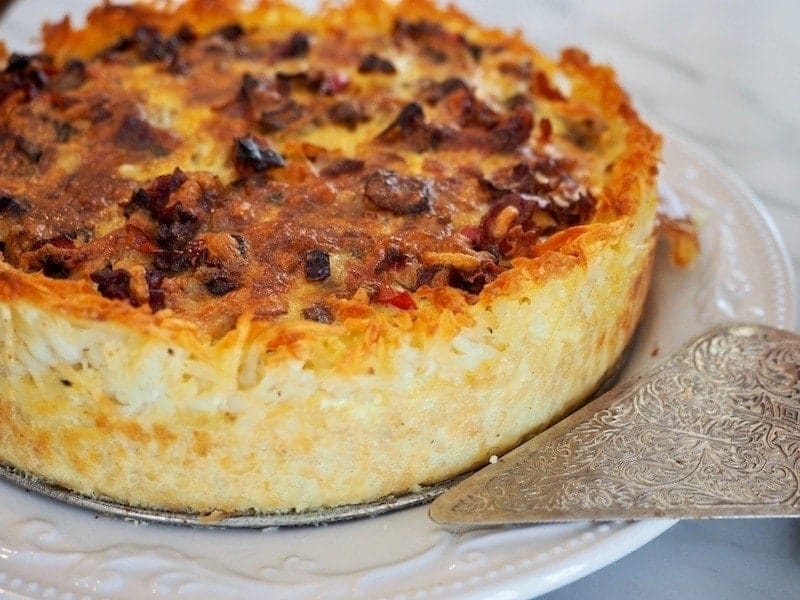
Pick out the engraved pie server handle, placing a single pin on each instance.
(713, 432)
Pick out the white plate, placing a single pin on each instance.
(48, 550)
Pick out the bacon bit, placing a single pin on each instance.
(437, 91)
(250, 156)
(402, 300)
(155, 198)
(545, 130)
(308, 80)
(536, 178)
(372, 63)
(177, 65)
(488, 241)
(432, 35)
(542, 186)
(72, 76)
(99, 112)
(54, 267)
(14, 207)
(391, 191)
(347, 113)
(186, 34)
(432, 275)
(296, 46)
(471, 111)
(541, 87)
(231, 32)
(138, 135)
(221, 284)
(410, 118)
(62, 241)
(512, 130)
(171, 261)
(342, 166)
(457, 260)
(410, 125)
(317, 265)
(157, 296)
(434, 54)
(177, 228)
(417, 30)
(281, 117)
(476, 113)
(152, 46)
(474, 281)
(123, 44)
(392, 257)
(26, 73)
(19, 62)
(504, 220)
(114, 284)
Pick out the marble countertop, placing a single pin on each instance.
(726, 74)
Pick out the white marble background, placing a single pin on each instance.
(727, 74)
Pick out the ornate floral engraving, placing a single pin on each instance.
(713, 432)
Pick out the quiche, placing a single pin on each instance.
(258, 259)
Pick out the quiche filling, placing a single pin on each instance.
(248, 169)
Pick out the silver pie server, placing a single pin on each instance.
(712, 432)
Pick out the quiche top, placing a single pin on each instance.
(216, 161)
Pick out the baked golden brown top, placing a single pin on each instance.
(216, 162)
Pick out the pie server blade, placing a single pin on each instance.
(713, 432)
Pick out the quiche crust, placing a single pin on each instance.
(150, 409)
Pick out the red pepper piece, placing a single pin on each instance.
(402, 300)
